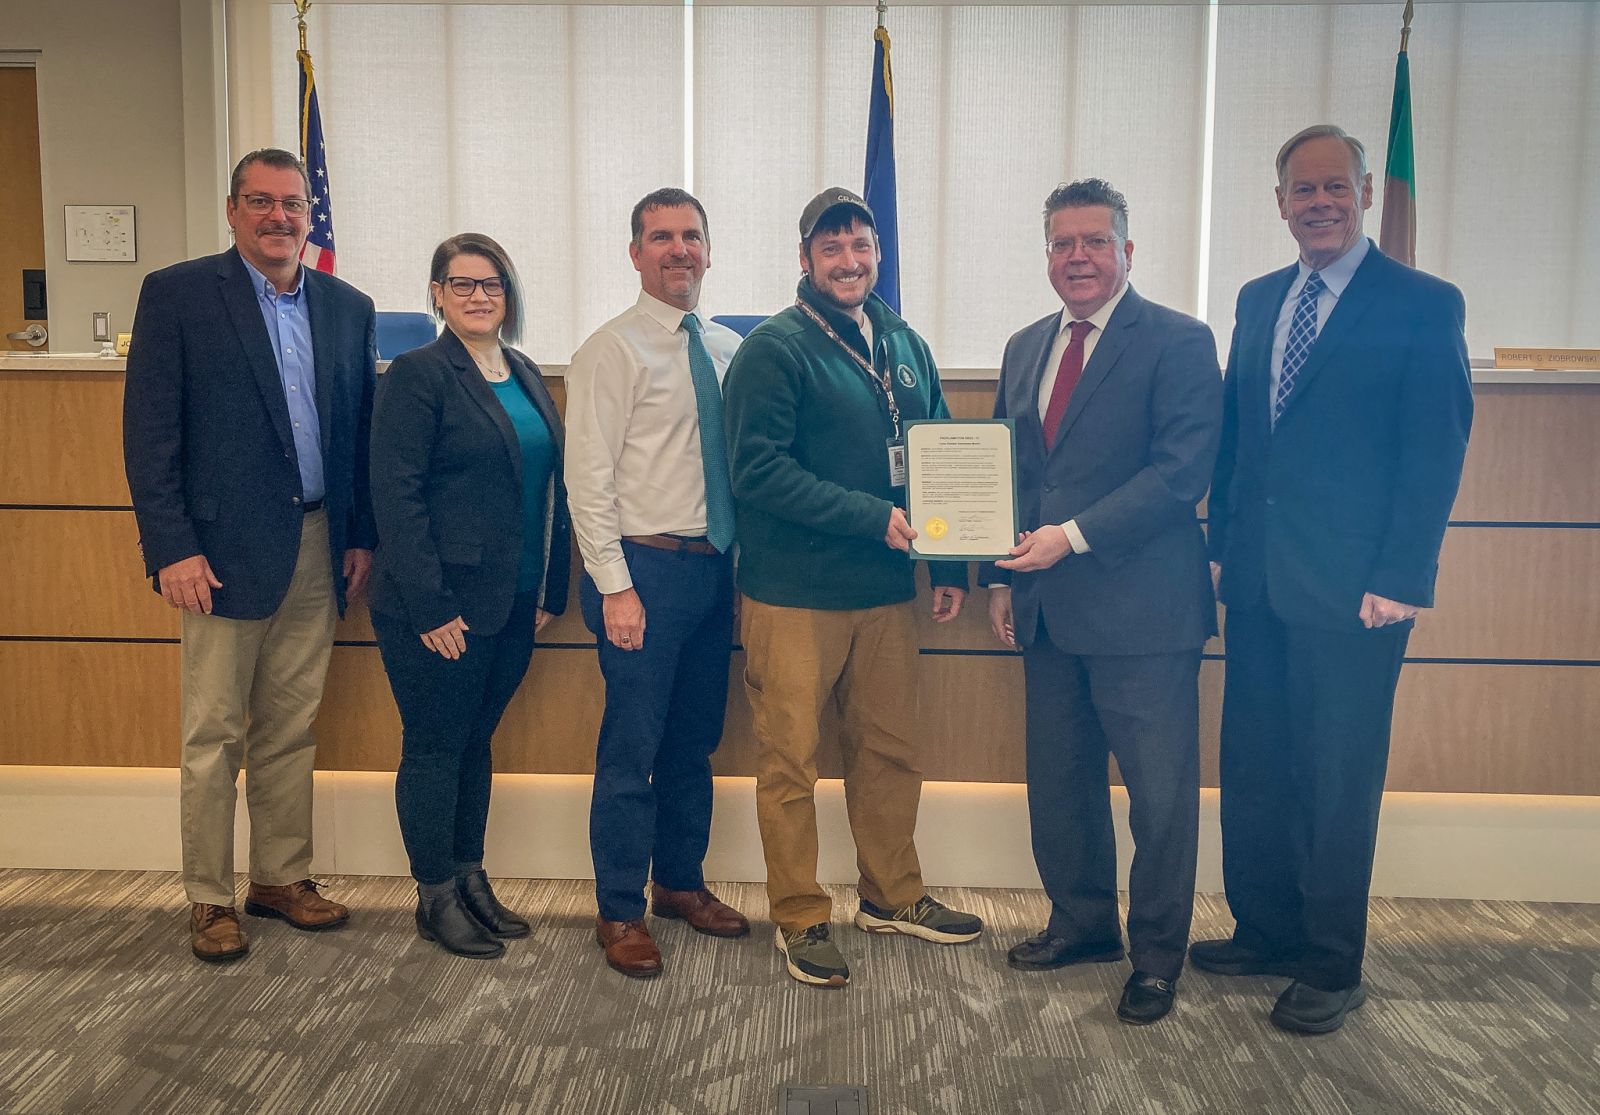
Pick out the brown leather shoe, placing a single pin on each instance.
(214, 933)
(299, 904)
(629, 947)
(704, 911)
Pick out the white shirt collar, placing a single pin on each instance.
(668, 316)
(1099, 318)
(1337, 275)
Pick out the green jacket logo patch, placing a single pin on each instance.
(908, 378)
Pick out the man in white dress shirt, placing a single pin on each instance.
(652, 508)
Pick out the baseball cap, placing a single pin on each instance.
(826, 200)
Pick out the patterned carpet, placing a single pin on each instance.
(1476, 1007)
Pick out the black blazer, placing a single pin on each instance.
(1131, 460)
(1351, 493)
(206, 441)
(447, 491)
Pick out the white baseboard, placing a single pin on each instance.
(1524, 848)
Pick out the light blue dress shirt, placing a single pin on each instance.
(1335, 277)
(289, 329)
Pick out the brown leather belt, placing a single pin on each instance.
(671, 542)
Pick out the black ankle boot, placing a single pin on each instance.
(445, 921)
(479, 899)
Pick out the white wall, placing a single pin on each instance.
(112, 121)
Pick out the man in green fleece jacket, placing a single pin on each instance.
(816, 402)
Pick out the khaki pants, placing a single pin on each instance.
(251, 689)
(796, 661)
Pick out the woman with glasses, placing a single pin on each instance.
(473, 552)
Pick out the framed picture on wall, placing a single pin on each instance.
(101, 234)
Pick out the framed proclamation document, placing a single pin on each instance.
(961, 488)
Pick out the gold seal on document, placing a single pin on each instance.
(937, 528)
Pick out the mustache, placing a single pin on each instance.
(275, 230)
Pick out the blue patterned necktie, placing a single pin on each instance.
(1302, 335)
(713, 441)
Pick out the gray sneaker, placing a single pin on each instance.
(927, 918)
(811, 957)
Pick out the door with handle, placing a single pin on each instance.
(22, 310)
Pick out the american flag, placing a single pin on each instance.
(318, 252)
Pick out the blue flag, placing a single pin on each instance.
(879, 192)
(318, 252)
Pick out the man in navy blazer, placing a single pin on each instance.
(245, 428)
(1117, 404)
(1348, 401)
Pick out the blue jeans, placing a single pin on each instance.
(665, 705)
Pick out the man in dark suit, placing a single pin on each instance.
(1347, 405)
(249, 393)
(1117, 404)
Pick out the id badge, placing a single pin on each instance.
(897, 462)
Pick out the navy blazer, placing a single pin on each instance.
(447, 491)
(1351, 492)
(1132, 458)
(209, 454)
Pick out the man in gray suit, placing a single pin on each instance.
(1118, 407)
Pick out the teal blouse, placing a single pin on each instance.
(538, 458)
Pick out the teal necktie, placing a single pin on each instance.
(713, 444)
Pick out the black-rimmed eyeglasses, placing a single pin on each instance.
(462, 287)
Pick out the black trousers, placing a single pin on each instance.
(1145, 710)
(449, 711)
(1305, 746)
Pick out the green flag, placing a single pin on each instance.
(1398, 238)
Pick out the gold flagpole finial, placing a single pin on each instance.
(883, 10)
(300, 7)
(1405, 31)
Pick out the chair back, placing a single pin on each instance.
(740, 323)
(401, 332)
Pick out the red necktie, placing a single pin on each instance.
(1067, 377)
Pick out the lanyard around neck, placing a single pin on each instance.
(881, 382)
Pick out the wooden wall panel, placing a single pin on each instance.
(1497, 729)
(1503, 593)
(358, 727)
(61, 438)
(1532, 455)
(78, 574)
(355, 626)
(1458, 729)
(83, 577)
(1211, 674)
(969, 398)
(1530, 459)
(1514, 593)
(89, 704)
(971, 718)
